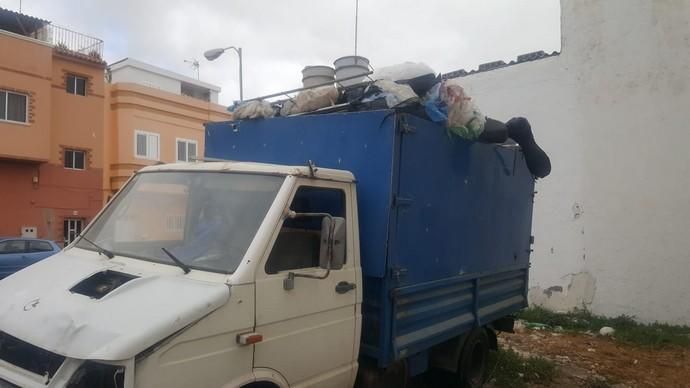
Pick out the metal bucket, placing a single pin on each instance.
(316, 75)
(351, 66)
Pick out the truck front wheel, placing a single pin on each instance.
(473, 358)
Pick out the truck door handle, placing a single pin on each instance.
(344, 287)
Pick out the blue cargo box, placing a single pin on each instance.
(445, 223)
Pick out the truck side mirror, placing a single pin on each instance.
(332, 249)
(333, 233)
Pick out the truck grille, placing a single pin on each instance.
(29, 357)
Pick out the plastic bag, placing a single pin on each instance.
(464, 117)
(394, 94)
(419, 76)
(311, 99)
(402, 71)
(447, 102)
(253, 110)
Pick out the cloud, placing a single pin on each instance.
(279, 38)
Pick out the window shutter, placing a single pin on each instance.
(79, 160)
(3, 106)
(181, 151)
(191, 152)
(16, 107)
(70, 84)
(81, 86)
(152, 147)
(141, 144)
(68, 158)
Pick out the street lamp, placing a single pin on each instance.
(213, 54)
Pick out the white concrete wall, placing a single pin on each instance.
(143, 77)
(612, 222)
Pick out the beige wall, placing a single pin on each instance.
(131, 107)
(27, 71)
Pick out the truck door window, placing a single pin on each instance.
(299, 241)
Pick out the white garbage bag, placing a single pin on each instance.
(394, 93)
(253, 110)
(402, 71)
(312, 99)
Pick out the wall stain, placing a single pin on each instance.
(578, 293)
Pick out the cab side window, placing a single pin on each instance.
(299, 242)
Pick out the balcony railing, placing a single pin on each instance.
(70, 41)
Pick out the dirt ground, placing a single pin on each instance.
(583, 359)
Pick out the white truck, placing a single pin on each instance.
(254, 275)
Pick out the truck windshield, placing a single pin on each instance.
(205, 219)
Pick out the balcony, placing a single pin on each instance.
(64, 40)
(75, 43)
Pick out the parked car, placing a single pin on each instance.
(17, 253)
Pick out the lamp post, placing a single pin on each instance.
(213, 54)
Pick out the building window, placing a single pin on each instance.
(146, 145)
(194, 91)
(76, 85)
(186, 150)
(75, 160)
(13, 106)
(71, 228)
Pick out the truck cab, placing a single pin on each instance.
(256, 295)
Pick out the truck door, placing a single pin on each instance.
(308, 331)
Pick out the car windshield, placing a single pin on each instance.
(205, 219)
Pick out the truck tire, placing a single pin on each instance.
(473, 358)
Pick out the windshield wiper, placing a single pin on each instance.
(177, 261)
(101, 250)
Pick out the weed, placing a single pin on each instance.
(508, 369)
(594, 382)
(653, 335)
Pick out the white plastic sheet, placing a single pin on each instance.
(402, 71)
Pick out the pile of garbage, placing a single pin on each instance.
(415, 88)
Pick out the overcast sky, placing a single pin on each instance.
(279, 38)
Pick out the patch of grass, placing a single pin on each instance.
(627, 329)
(508, 369)
(593, 382)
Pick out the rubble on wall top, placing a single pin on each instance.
(533, 56)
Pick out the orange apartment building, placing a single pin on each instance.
(51, 128)
(154, 116)
(69, 139)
